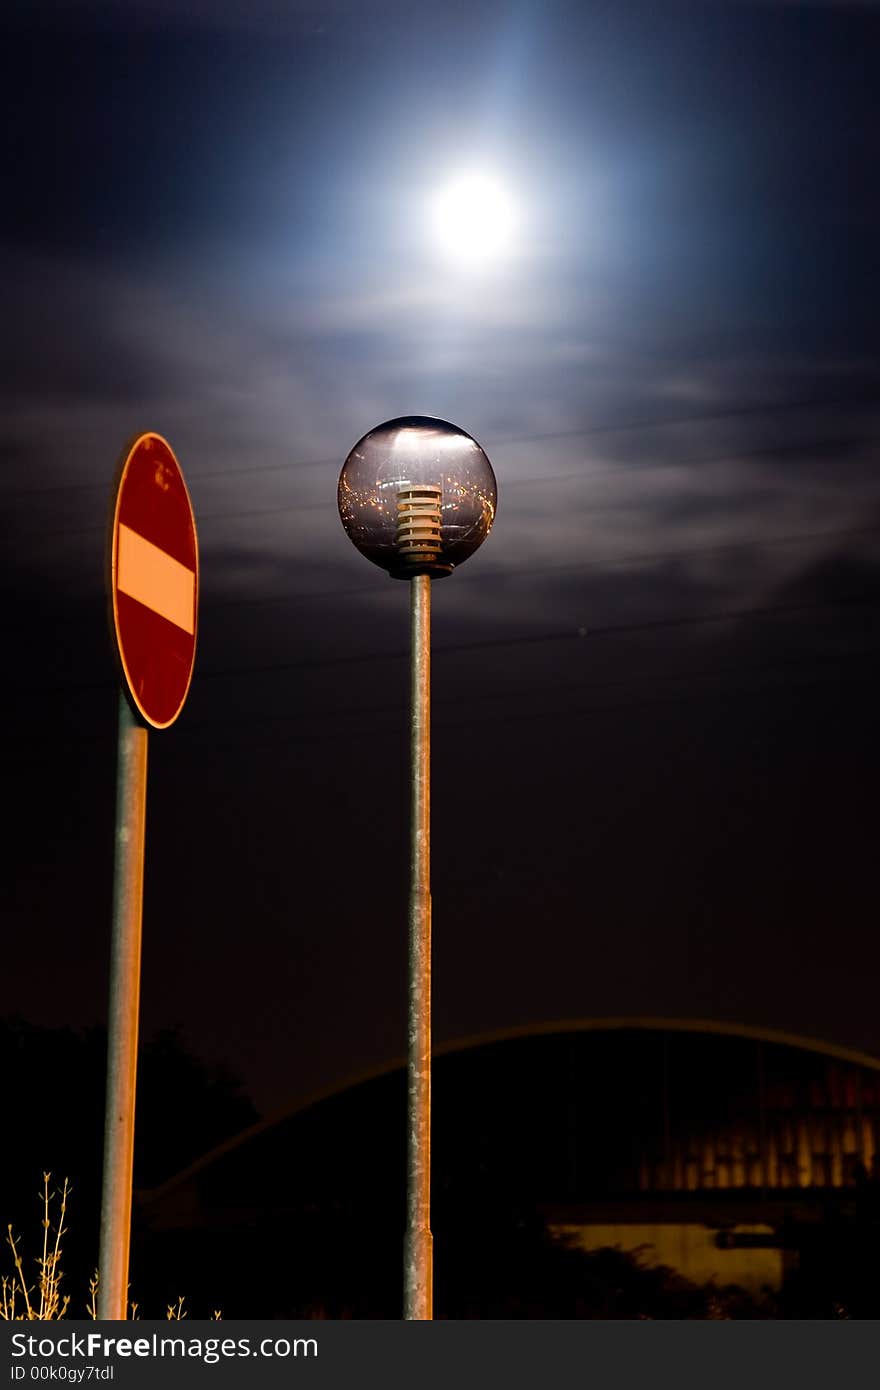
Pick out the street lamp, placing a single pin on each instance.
(417, 496)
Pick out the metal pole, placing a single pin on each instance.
(122, 1026)
(418, 1251)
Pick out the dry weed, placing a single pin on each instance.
(43, 1301)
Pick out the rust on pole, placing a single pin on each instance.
(418, 1251)
(122, 1023)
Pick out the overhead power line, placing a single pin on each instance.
(583, 432)
(645, 557)
(567, 634)
(530, 693)
(577, 634)
(620, 472)
(502, 713)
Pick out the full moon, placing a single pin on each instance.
(473, 220)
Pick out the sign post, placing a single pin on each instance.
(152, 585)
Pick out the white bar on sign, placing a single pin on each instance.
(156, 579)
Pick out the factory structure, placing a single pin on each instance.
(708, 1148)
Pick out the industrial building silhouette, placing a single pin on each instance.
(713, 1149)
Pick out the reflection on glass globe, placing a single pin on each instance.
(417, 496)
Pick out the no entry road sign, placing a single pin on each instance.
(154, 579)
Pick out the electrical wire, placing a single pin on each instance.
(619, 472)
(567, 634)
(608, 427)
(501, 712)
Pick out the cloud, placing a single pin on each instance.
(263, 395)
(273, 19)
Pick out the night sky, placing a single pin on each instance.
(655, 685)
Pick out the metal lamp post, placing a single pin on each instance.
(417, 496)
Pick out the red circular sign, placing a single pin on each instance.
(154, 579)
